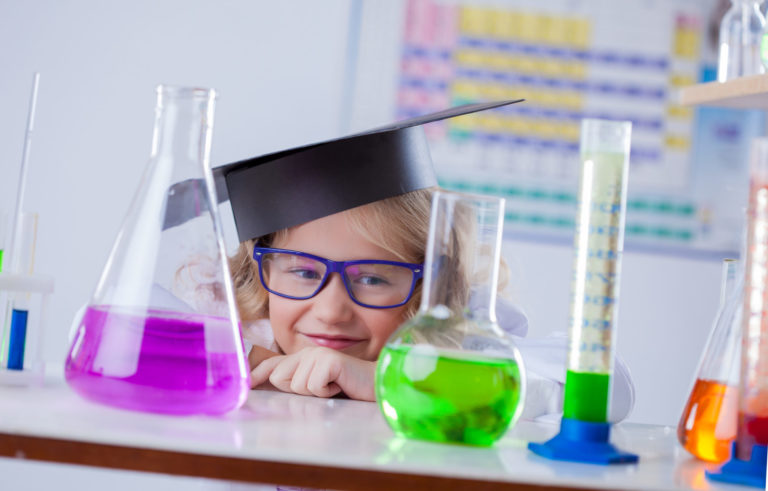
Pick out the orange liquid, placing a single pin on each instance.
(708, 424)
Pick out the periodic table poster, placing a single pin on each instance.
(569, 60)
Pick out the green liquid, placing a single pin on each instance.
(1, 260)
(586, 396)
(447, 396)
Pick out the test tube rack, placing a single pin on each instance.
(41, 287)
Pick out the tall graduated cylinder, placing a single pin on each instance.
(753, 385)
(598, 247)
(161, 332)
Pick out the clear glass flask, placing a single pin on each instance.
(161, 332)
(707, 425)
(450, 374)
(741, 37)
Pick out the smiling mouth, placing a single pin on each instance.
(333, 342)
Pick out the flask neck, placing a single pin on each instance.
(461, 273)
(448, 296)
(183, 121)
(728, 280)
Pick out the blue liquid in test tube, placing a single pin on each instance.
(17, 306)
(17, 339)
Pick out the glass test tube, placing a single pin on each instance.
(3, 294)
(3, 234)
(18, 306)
(753, 385)
(598, 246)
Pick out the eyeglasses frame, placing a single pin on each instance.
(332, 266)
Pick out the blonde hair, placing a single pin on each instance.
(399, 225)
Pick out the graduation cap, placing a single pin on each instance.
(294, 186)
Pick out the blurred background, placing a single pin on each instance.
(294, 72)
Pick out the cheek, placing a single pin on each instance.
(283, 314)
(384, 324)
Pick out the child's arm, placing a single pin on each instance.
(321, 372)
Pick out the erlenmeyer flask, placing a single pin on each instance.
(161, 331)
(707, 425)
(449, 374)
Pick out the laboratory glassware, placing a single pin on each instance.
(598, 244)
(740, 39)
(747, 464)
(449, 374)
(26, 295)
(23, 293)
(3, 232)
(18, 307)
(161, 332)
(707, 425)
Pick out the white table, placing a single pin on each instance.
(324, 443)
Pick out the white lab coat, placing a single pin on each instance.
(544, 360)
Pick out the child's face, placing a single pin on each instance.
(331, 318)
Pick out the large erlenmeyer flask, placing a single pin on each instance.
(450, 374)
(707, 425)
(161, 331)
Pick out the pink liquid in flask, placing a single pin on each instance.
(164, 362)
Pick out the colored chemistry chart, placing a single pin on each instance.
(569, 59)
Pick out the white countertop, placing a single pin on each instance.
(339, 435)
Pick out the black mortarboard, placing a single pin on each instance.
(294, 186)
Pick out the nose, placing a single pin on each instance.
(332, 304)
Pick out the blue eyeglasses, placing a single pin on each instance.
(370, 283)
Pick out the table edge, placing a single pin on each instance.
(239, 469)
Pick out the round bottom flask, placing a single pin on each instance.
(449, 374)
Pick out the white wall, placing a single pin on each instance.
(279, 68)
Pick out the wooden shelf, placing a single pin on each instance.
(742, 93)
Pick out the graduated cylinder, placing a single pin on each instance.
(598, 247)
(753, 387)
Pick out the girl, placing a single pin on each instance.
(333, 238)
(329, 343)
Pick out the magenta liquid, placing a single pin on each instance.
(164, 362)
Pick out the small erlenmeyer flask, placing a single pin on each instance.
(449, 374)
(707, 425)
(161, 331)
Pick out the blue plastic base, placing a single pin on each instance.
(737, 471)
(582, 441)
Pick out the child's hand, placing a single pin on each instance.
(321, 372)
